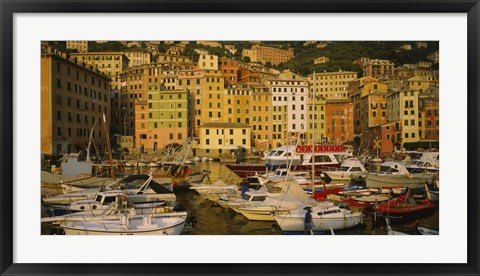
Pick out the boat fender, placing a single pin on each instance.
(397, 204)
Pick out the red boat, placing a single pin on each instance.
(404, 208)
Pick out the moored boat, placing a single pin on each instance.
(404, 209)
(348, 168)
(323, 157)
(323, 218)
(395, 174)
(145, 225)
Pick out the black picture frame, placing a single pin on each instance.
(10, 7)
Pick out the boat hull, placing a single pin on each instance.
(83, 229)
(294, 224)
(391, 181)
(401, 212)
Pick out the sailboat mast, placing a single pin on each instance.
(112, 167)
(313, 136)
(90, 141)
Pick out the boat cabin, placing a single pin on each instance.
(351, 165)
(282, 157)
(392, 167)
(255, 196)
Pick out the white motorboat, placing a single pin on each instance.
(423, 161)
(235, 200)
(349, 167)
(289, 196)
(144, 225)
(264, 210)
(138, 188)
(115, 210)
(323, 218)
(395, 174)
(282, 157)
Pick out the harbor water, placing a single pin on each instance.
(208, 218)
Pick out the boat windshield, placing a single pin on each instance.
(99, 198)
(259, 198)
(278, 153)
(246, 197)
(281, 173)
(387, 169)
(321, 159)
(355, 169)
(343, 169)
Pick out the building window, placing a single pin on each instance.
(406, 135)
(207, 141)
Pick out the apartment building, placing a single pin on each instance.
(229, 70)
(138, 56)
(208, 62)
(74, 98)
(162, 119)
(402, 107)
(378, 68)
(219, 138)
(111, 64)
(80, 45)
(331, 85)
(316, 131)
(339, 121)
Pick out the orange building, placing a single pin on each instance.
(339, 121)
(229, 70)
(428, 105)
(247, 76)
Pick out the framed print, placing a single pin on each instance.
(156, 115)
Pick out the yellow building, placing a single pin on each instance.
(237, 100)
(208, 62)
(369, 106)
(137, 56)
(402, 106)
(219, 138)
(332, 85)
(316, 120)
(73, 100)
(111, 64)
(193, 81)
(422, 83)
(80, 45)
(262, 120)
(211, 101)
(166, 58)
